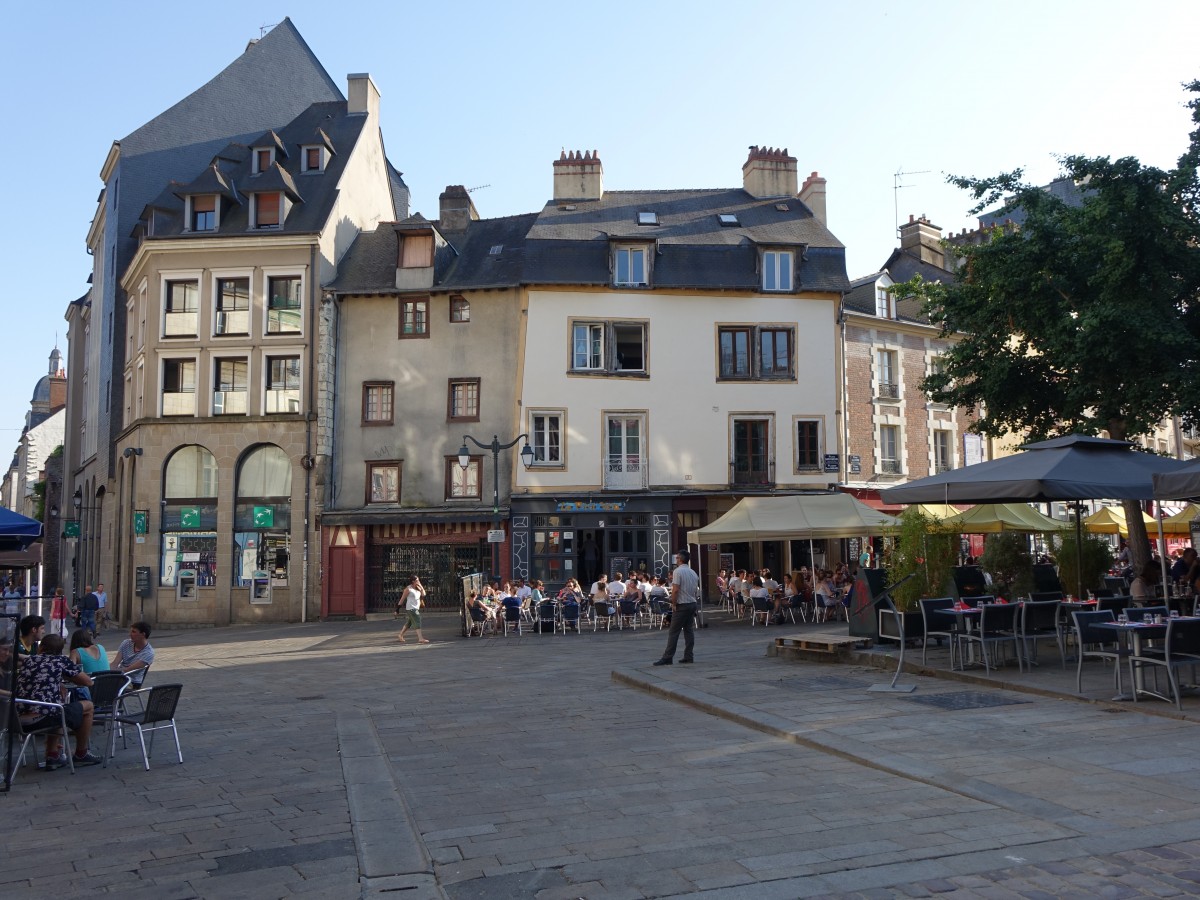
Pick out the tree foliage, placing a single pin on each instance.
(924, 548)
(1086, 316)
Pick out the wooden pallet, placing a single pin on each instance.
(817, 646)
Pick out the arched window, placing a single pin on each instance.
(263, 516)
(189, 516)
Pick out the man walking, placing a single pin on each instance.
(685, 598)
(414, 599)
(102, 612)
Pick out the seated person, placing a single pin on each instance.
(135, 654)
(616, 588)
(512, 607)
(32, 629)
(41, 678)
(570, 610)
(759, 591)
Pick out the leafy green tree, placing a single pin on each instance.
(1084, 317)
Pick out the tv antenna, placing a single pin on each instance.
(478, 187)
(263, 29)
(897, 184)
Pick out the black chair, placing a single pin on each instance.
(1038, 596)
(476, 622)
(1039, 620)
(1145, 613)
(763, 607)
(51, 718)
(980, 600)
(512, 618)
(997, 627)
(602, 614)
(570, 617)
(1180, 648)
(936, 625)
(547, 617)
(1117, 584)
(627, 613)
(107, 688)
(158, 712)
(1113, 604)
(1096, 643)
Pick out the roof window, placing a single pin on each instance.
(647, 218)
(496, 250)
(782, 207)
(727, 220)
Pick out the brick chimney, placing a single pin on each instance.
(769, 172)
(812, 195)
(923, 239)
(578, 176)
(456, 209)
(362, 96)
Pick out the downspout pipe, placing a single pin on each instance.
(309, 417)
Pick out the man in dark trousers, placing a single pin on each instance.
(685, 600)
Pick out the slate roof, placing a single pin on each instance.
(1064, 189)
(900, 266)
(313, 193)
(569, 243)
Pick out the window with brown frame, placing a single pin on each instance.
(414, 318)
(266, 210)
(383, 480)
(204, 212)
(462, 402)
(377, 402)
(460, 309)
(262, 160)
(312, 159)
(463, 484)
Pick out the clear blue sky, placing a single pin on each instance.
(670, 93)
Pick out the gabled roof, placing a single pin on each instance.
(210, 181)
(900, 266)
(275, 178)
(270, 139)
(569, 242)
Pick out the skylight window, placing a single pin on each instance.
(496, 250)
(647, 218)
(727, 219)
(782, 207)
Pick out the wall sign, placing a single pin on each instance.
(590, 506)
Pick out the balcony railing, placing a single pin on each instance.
(284, 401)
(179, 404)
(889, 466)
(229, 403)
(887, 391)
(939, 468)
(179, 324)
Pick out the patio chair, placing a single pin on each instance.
(627, 613)
(477, 621)
(1096, 643)
(981, 600)
(997, 627)
(512, 619)
(937, 626)
(547, 617)
(1115, 603)
(658, 612)
(1039, 620)
(52, 719)
(158, 712)
(570, 617)
(1042, 596)
(107, 688)
(1146, 613)
(762, 607)
(602, 614)
(1180, 648)
(792, 605)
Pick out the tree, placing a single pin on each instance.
(1084, 317)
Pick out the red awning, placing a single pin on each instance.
(870, 496)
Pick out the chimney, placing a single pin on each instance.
(923, 239)
(456, 209)
(578, 176)
(769, 172)
(362, 96)
(812, 195)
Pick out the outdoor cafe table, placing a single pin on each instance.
(965, 618)
(1133, 637)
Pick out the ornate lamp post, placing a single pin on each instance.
(464, 460)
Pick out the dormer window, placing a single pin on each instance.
(263, 158)
(416, 251)
(885, 307)
(312, 158)
(777, 268)
(267, 209)
(630, 266)
(203, 216)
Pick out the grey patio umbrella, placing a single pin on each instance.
(1183, 483)
(1075, 467)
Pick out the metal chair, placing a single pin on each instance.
(1104, 644)
(1039, 620)
(1180, 648)
(937, 626)
(512, 618)
(158, 712)
(658, 612)
(997, 626)
(107, 689)
(547, 617)
(52, 719)
(1142, 613)
(602, 614)
(476, 622)
(627, 612)
(1041, 596)
(761, 608)
(570, 616)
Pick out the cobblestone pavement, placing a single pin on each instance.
(329, 760)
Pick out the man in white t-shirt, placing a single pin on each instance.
(616, 588)
(414, 599)
(685, 600)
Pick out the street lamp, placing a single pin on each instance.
(464, 460)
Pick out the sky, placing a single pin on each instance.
(670, 93)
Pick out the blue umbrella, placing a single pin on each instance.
(17, 531)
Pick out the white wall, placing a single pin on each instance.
(688, 411)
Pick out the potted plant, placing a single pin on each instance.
(1094, 553)
(1006, 558)
(923, 548)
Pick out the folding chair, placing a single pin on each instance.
(158, 712)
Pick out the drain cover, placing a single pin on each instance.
(964, 700)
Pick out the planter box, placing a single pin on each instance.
(912, 623)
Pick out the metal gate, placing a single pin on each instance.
(440, 567)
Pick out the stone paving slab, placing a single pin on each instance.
(525, 769)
